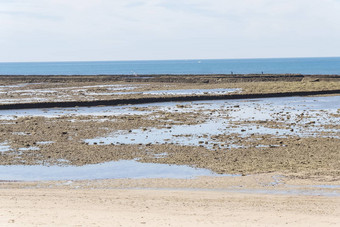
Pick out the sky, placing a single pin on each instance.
(96, 30)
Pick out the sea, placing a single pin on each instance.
(306, 66)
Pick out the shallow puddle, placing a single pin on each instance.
(58, 112)
(109, 170)
(192, 135)
(306, 192)
(4, 147)
(217, 91)
(22, 100)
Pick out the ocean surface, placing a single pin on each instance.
(220, 66)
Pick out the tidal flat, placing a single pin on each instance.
(295, 136)
(208, 162)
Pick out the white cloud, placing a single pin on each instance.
(47, 30)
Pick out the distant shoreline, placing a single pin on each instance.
(171, 74)
(167, 78)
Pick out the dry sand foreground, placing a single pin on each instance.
(48, 207)
(251, 200)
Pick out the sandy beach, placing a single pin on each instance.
(253, 200)
(166, 207)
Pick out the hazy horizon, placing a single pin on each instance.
(197, 59)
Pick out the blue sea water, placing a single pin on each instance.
(221, 66)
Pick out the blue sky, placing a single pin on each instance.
(86, 30)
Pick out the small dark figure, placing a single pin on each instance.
(231, 72)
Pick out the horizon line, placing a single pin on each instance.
(189, 59)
